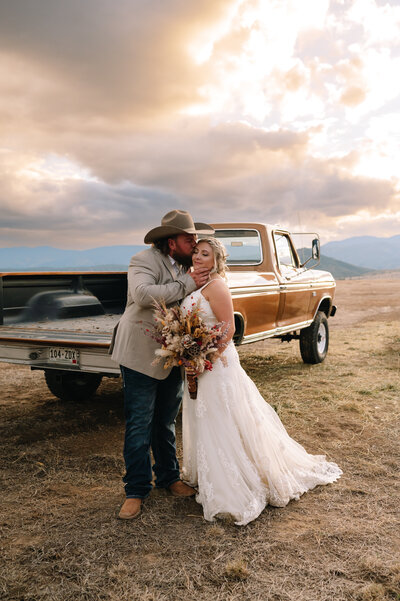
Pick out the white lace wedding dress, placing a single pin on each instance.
(235, 449)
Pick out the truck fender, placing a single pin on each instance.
(325, 306)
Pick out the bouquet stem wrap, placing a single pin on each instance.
(192, 385)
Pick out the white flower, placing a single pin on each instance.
(163, 352)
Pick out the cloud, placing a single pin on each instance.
(380, 23)
(229, 172)
(111, 114)
(353, 96)
(125, 61)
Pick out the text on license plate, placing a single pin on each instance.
(64, 355)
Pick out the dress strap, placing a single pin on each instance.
(207, 283)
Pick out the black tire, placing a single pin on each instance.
(314, 340)
(239, 329)
(69, 386)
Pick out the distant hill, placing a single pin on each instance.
(116, 258)
(49, 258)
(340, 269)
(366, 251)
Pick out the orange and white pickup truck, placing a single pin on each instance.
(62, 322)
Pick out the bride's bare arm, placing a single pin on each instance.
(218, 295)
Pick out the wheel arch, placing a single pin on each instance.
(72, 385)
(325, 306)
(239, 327)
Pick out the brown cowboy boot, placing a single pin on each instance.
(130, 509)
(180, 489)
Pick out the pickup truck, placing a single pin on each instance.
(62, 322)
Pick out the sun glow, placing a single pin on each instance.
(202, 47)
(380, 156)
(249, 55)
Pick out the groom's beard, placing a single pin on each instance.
(184, 260)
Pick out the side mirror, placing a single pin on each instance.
(315, 249)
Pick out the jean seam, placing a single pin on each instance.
(137, 497)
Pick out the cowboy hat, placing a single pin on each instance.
(177, 222)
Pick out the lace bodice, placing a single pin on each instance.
(206, 311)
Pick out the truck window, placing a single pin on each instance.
(284, 251)
(243, 246)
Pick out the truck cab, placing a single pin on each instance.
(275, 293)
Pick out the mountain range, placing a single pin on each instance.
(366, 251)
(346, 258)
(48, 257)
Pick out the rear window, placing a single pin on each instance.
(243, 246)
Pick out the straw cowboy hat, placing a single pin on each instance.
(177, 222)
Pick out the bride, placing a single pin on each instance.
(236, 451)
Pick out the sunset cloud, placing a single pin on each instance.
(112, 114)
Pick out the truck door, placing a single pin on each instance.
(255, 292)
(294, 283)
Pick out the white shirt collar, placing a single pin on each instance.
(175, 265)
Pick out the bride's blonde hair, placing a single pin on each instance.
(220, 255)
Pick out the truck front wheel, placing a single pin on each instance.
(70, 386)
(314, 340)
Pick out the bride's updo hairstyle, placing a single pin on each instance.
(220, 255)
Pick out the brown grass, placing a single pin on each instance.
(61, 491)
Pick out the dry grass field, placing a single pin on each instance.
(61, 486)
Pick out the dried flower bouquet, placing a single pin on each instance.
(186, 340)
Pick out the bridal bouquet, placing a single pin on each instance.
(186, 340)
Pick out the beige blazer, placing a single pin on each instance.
(151, 275)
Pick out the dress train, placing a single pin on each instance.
(236, 449)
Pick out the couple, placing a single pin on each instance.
(237, 454)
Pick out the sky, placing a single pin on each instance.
(112, 113)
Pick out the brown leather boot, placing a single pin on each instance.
(130, 509)
(180, 489)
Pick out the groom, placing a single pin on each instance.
(153, 394)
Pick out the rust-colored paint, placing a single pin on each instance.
(259, 312)
(291, 300)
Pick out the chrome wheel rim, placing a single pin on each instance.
(321, 339)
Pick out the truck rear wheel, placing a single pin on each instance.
(314, 340)
(70, 386)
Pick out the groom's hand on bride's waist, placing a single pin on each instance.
(200, 276)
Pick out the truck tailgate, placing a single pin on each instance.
(73, 344)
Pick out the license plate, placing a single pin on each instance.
(69, 356)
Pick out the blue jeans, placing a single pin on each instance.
(151, 408)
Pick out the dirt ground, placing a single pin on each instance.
(61, 484)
